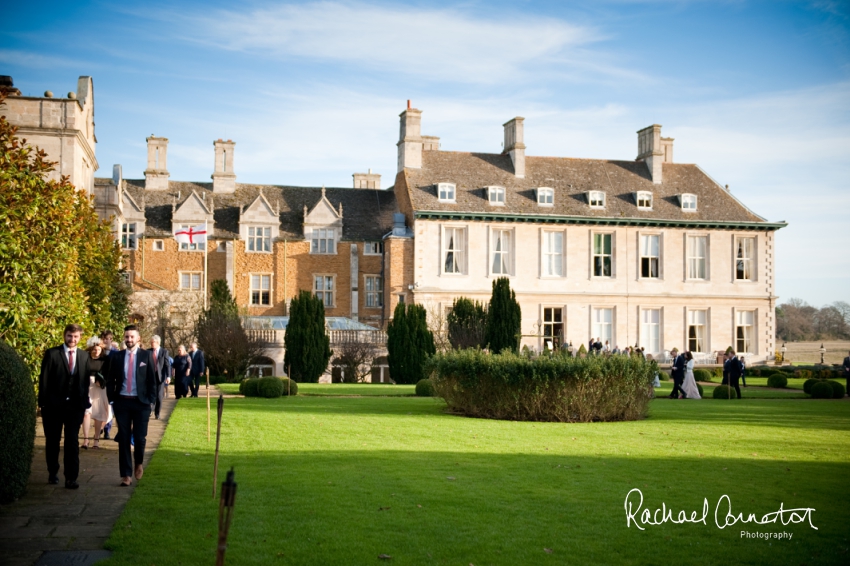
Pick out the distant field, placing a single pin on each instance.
(809, 352)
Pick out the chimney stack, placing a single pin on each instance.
(654, 150)
(410, 139)
(367, 180)
(156, 175)
(224, 179)
(514, 145)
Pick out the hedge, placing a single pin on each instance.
(702, 375)
(724, 392)
(777, 381)
(822, 390)
(17, 423)
(547, 388)
(290, 386)
(269, 387)
(424, 388)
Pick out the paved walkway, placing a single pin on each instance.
(50, 518)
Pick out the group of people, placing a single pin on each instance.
(684, 383)
(78, 386)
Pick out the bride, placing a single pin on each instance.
(690, 384)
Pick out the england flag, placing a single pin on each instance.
(191, 234)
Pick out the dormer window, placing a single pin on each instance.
(596, 199)
(689, 202)
(446, 192)
(545, 196)
(644, 200)
(496, 195)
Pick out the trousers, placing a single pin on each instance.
(68, 415)
(132, 417)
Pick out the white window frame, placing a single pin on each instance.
(320, 236)
(262, 285)
(693, 259)
(652, 256)
(126, 276)
(191, 275)
(700, 334)
(496, 195)
(450, 235)
(328, 296)
(158, 245)
(745, 334)
(548, 256)
(594, 255)
(748, 264)
(129, 236)
(642, 198)
(651, 336)
(596, 199)
(186, 246)
(601, 328)
(374, 291)
(545, 196)
(373, 248)
(688, 202)
(259, 242)
(549, 324)
(505, 256)
(446, 192)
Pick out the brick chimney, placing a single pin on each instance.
(410, 139)
(654, 150)
(367, 180)
(156, 175)
(224, 179)
(514, 145)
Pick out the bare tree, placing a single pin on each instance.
(228, 348)
(355, 355)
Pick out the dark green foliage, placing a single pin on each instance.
(718, 373)
(425, 388)
(290, 387)
(504, 318)
(467, 324)
(724, 392)
(547, 388)
(702, 375)
(838, 390)
(249, 387)
(804, 374)
(306, 341)
(699, 388)
(221, 300)
(825, 374)
(269, 387)
(728, 349)
(409, 343)
(777, 381)
(807, 385)
(17, 423)
(822, 390)
(582, 351)
(216, 379)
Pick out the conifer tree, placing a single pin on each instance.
(306, 341)
(409, 343)
(466, 322)
(504, 318)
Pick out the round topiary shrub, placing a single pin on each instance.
(290, 386)
(777, 381)
(17, 421)
(724, 392)
(249, 387)
(807, 385)
(838, 390)
(702, 375)
(269, 387)
(424, 388)
(699, 387)
(822, 390)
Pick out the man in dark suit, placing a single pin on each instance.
(198, 367)
(131, 387)
(63, 395)
(677, 373)
(847, 373)
(163, 370)
(732, 370)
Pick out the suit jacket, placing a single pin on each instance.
(55, 381)
(847, 366)
(198, 363)
(163, 366)
(146, 380)
(733, 368)
(678, 371)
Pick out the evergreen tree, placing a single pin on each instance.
(504, 318)
(466, 322)
(306, 341)
(221, 301)
(409, 343)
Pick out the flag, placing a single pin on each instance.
(191, 234)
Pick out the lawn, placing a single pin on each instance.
(337, 389)
(341, 480)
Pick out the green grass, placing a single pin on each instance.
(340, 389)
(341, 480)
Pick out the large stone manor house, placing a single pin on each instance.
(644, 251)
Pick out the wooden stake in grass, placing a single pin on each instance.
(217, 441)
(225, 515)
(208, 404)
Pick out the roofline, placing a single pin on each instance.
(597, 221)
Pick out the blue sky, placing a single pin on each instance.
(756, 93)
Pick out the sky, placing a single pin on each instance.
(755, 93)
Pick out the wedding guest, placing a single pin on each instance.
(181, 372)
(677, 373)
(100, 410)
(63, 399)
(198, 367)
(689, 385)
(847, 373)
(109, 347)
(163, 370)
(732, 371)
(743, 371)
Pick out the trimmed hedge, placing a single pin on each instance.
(807, 385)
(269, 387)
(702, 375)
(778, 381)
(724, 392)
(424, 388)
(17, 423)
(822, 390)
(699, 387)
(290, 386)
(547, 388)
(249, 387)
(838, 390)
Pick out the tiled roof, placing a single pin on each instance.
(571, 179)
(367, 213)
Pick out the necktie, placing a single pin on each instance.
(154, 359)
(131, 374)
(71, 362)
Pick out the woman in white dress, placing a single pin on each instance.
(100, 410)
(690, 384)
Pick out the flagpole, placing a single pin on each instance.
(206, 257)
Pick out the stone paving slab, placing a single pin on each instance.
(51, 525)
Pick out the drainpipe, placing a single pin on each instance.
(284, 278)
